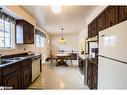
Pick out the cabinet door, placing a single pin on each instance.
(11, 76)
(111, 16)
(12, 80)
(26, 76)
(94, 76)
(94, 28)
(122, 13)
(28, 33)
(26, 73)
(31, 28)
(89, 31)
(89, 75)
(101, 21)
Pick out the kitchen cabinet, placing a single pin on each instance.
(122, 13)
(81, 65)
(92, 74)
(111, 15)
(18, 73)
(24, 32)
(26, 73)
(92, 29)
(89, 75)
(11, 76)
(89, 31)
(101, 21)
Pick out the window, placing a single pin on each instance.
(6, 32)
(40, 39)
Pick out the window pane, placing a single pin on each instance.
(1, 25)
(42, 41)
(7, 42)
(1, 42)
(1, 34)
(7, 26)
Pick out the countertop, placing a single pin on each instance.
(23, 57)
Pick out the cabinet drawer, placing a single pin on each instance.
(11, 69)
(26, 62)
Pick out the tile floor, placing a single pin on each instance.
(60, 77)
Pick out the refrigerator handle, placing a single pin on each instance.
(102, 35)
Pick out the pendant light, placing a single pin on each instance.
(62, 41)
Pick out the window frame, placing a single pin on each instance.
(11, 33)
(40, 42)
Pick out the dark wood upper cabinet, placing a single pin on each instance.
(111, 15)
(89, 31)
(94, 28)
(24, 32)
(122, 13)
(101, 21)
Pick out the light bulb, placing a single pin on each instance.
(56, 9)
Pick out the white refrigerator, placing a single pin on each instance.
(112, 64)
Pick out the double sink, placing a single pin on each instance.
(8, 60)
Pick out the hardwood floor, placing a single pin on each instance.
(60, 77)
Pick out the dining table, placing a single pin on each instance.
(62, 57)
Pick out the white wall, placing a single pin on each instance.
(71, 43)
(82, 41)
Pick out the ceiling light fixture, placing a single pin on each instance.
(56, 9)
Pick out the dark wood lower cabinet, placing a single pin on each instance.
(26, 73)
(11, 76)
(92, 73)
(89, 75)
(18, 75)
(94, 76)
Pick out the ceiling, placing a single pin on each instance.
(71, 18)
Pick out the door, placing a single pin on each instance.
(113, 42)
(111, 74)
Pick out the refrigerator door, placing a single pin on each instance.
(113, 42)
(111, 74)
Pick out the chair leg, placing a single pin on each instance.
(71, 62)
